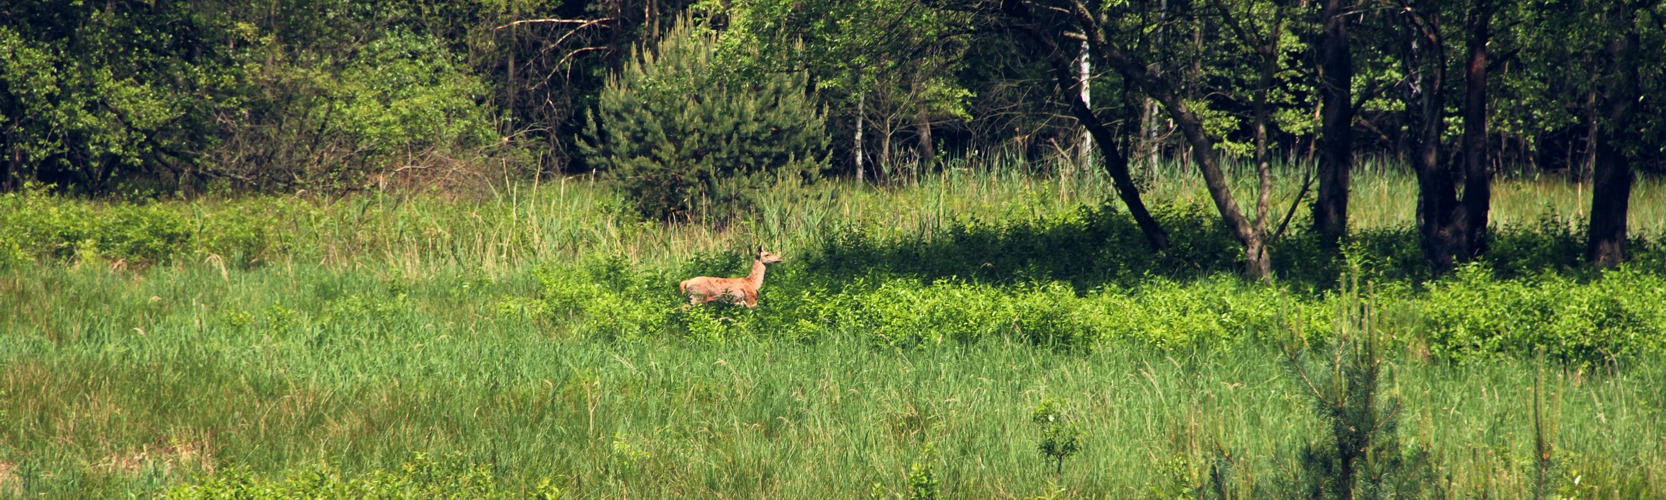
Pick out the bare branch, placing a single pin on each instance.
(554, 21)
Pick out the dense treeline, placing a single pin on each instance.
(172, 96)
(102, 97)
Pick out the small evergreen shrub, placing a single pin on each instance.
(685, 139)
(1357, 450)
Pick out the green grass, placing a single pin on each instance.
(370, 329)
(191, 372)
(574, 216)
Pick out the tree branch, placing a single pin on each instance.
(581, 22)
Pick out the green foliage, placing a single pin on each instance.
(166, 97)
(1357, 452)
(35, 225)
(310, 118)
(684, 139)
(922, 475)
(1060, 438)
(1474, 316)
(90, 96)
(406, 92)
(605, 299)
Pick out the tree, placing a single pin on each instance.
(687, 141)
(1069, 19)
(1048, 31)
(1612, 179)
(889, 63)
(1336, 71)
(1451, 228)
(91, 95)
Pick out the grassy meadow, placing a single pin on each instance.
(923, 337)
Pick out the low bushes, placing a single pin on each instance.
(611, 300)
(1474, 316)
(35, 227)
(1471, 316)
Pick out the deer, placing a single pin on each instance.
(743, 290)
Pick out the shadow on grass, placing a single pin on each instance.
(1098, 246)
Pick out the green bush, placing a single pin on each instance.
(686, 139)
(36, 225)
(607, 299)
(1469, 317)
(1474, 316)
(611, 300)
(405, 92)
(1215, 311)
(148, 234)
(241, 233)
(40, 225)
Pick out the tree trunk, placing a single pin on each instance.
(861, 101)
(1263, 161)
(885, 147)
(509, 89)
(1436, 194)
(1149, 121)
(1477, 201)
(1191, 126)
(1610, 202)
(1203, 151)
(928, 153)
(1115, 164)
(1330, 211)
(1450, 229)
(1045, 33)
(1612, 178)
(1588, 164)
(1153, 149)
(1085, 151)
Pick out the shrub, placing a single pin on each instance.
(406, 92)
(143, 233)
(1471, 316)
(606, 299)
(684, 139)
(1474, 316)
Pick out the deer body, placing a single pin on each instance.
(743, 290)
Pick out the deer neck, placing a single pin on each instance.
(756, 277)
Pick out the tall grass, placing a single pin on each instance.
(119, 384)
(265, 336)
(573, 216)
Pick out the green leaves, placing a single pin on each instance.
(88, 96)
(406, 92)
(1060, 437)
(688, 141)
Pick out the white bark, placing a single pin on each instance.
(1086, 150)
(861, 101)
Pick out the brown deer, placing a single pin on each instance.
(744, 290)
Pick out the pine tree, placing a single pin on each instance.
(687, 141)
